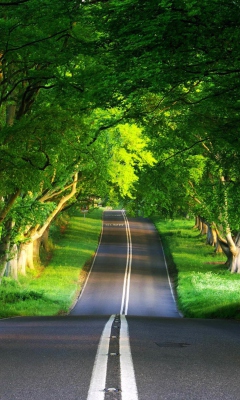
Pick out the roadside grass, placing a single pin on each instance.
(52, 289)
(204, 287)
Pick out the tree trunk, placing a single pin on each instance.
(218, 248)
(29, 252)
(22, 260)
(44, 239)
(235, 267)
(25, 257)
(41, 241)
(212, 238)
(5, 246)
(201, 225)
(12, 264)
(36, 250)
(204, 227)
(235, 263)
(198, 223)
(232, 251)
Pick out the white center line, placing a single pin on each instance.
(127, 277)
(128, 382)
(99, 374)
(129, 265)
(127, 374)
(98, 379)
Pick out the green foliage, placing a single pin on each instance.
(177, 67)
(142, 102)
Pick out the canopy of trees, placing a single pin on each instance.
(137, 103)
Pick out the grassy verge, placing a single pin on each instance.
(204, 286)
(51, 290)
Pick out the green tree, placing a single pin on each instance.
(183, 58)
(45, 63)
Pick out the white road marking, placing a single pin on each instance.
(113, 224)
(169, 280)
(127, 276)
(128, 381)
(125, 282)
(86, 281)
(129, 265)
(98, 379)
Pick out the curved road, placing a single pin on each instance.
(129, 275)
(124, 338)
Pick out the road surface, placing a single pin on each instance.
(129, 275)
(124, 339)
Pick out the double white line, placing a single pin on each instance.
(126, 283)
(98, 379)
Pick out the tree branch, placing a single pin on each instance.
(14, 3)
(47, 196)
(181, 151)
(36, 41)
(9, 205)
(57, 209)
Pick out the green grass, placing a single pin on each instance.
(204, 286)
(51, 290)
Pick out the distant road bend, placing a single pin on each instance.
(129, 275)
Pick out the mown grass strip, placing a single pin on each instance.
(204, 286)
(51, 290)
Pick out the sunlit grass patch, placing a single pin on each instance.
(52, 289)
(204, 286)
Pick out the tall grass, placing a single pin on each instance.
(204, 286)
(52, 289)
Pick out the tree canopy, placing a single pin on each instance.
(115, 99)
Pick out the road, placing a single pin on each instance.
(124, 339)
(129, 275)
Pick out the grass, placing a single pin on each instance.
(204, 287)
(51, 290)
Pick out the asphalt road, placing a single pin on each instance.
(124, 339)
(149, 290)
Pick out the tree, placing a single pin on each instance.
(43, 50)
(142, 102)
(59, 145)
(183, 58)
